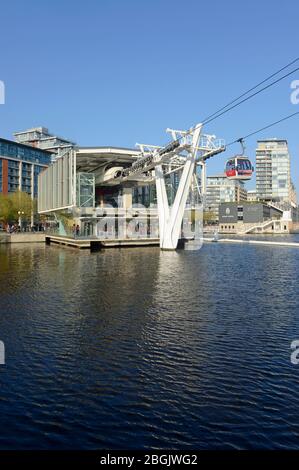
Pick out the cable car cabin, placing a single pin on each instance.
(239, 168)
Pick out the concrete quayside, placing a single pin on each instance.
(95, 244)
(26, 237)
(253, 242)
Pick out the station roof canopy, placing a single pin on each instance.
(90, 159)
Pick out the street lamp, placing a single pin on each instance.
(20, 213)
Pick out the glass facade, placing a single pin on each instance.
(221, 189)
(26, 153)
(144, 195)
(13, 175)
(273, 179)
(147, 195)
(20, 166)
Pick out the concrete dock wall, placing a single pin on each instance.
(253, 242)
(4, 238)
(22, 238)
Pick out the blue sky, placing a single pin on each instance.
(118, 72)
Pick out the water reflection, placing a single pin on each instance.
(141, 348)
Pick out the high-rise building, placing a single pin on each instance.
(221, 189)
(273, 174)
(20, 166)
(41, 138)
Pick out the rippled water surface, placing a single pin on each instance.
(137, 348)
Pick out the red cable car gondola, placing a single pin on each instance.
(239, 167)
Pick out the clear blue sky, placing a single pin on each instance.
(118, 72)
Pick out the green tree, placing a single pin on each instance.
(6, 209)
(21, 202)
(209, 217)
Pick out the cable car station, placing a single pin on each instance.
(114, 192)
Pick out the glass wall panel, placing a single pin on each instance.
(85, 190)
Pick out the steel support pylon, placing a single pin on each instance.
(170, 218)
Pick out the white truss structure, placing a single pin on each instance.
(186, 149)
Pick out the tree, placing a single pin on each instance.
(6, 209)
(209, 217)
(21, 202)
(12, 204)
